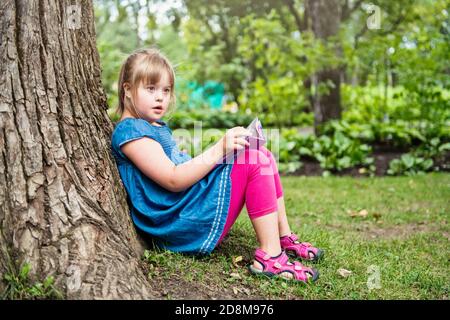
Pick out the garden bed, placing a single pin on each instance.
(382, 157)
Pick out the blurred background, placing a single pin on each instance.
(355, 88)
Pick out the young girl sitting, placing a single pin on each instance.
(189, 204)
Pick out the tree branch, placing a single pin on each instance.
(359, 35)
(347, 11)
(298, 20)
(394, 26)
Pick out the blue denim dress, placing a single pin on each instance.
(190, 221)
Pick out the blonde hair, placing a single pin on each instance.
(144, 65)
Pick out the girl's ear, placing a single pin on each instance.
(126, 87)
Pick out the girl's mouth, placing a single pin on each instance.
(158, 109)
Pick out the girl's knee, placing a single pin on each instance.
(254, 157)
(267, 152)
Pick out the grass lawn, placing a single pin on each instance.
(391, 229)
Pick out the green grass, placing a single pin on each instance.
(19, 286)
(405, 235)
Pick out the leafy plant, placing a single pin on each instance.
(18, 286)
(420, 160)
(209, 118)
(334, 153)
(409, 164)
(289, 167)
(341, 152)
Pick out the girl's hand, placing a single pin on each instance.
(234, 139)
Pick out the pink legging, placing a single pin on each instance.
(254, 180)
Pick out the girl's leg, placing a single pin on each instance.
(283, 225)
(251, 187)
(268, 167)
(271, 168)
(253, 183)
(266, 229)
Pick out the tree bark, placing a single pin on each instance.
(63, 208)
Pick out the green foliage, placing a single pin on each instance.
(397, 124)
(400, 92)
(18, 286)
(433, 148)
(209, 118)
(420, 160)
(277, 65)
(399, 133)
(428, 141)
(288, 156)
(214, 118)
(409, 164)
(339, 152)
(343, 146)
(334, 153)
(212, 56)
(289, 167)
(115, 39)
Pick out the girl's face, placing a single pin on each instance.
(152, 100)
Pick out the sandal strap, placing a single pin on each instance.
(262, 255)
(293, 237)
(303, 249)
(281, 264)
(298, 270)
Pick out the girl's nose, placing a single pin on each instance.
(159, 95)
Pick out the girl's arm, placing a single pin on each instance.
(149, 157)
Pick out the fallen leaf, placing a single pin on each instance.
(235, 290)
(344, 273)
(352, 213)
(235, 275)
(363, 213)
(236, 260)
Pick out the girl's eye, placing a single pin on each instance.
(167, 90)
(151, 88)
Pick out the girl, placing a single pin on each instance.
(189, 204)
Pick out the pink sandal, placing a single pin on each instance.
(276, 266)
(302, 250)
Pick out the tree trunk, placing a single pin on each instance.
(325, 18)
(63, 208)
